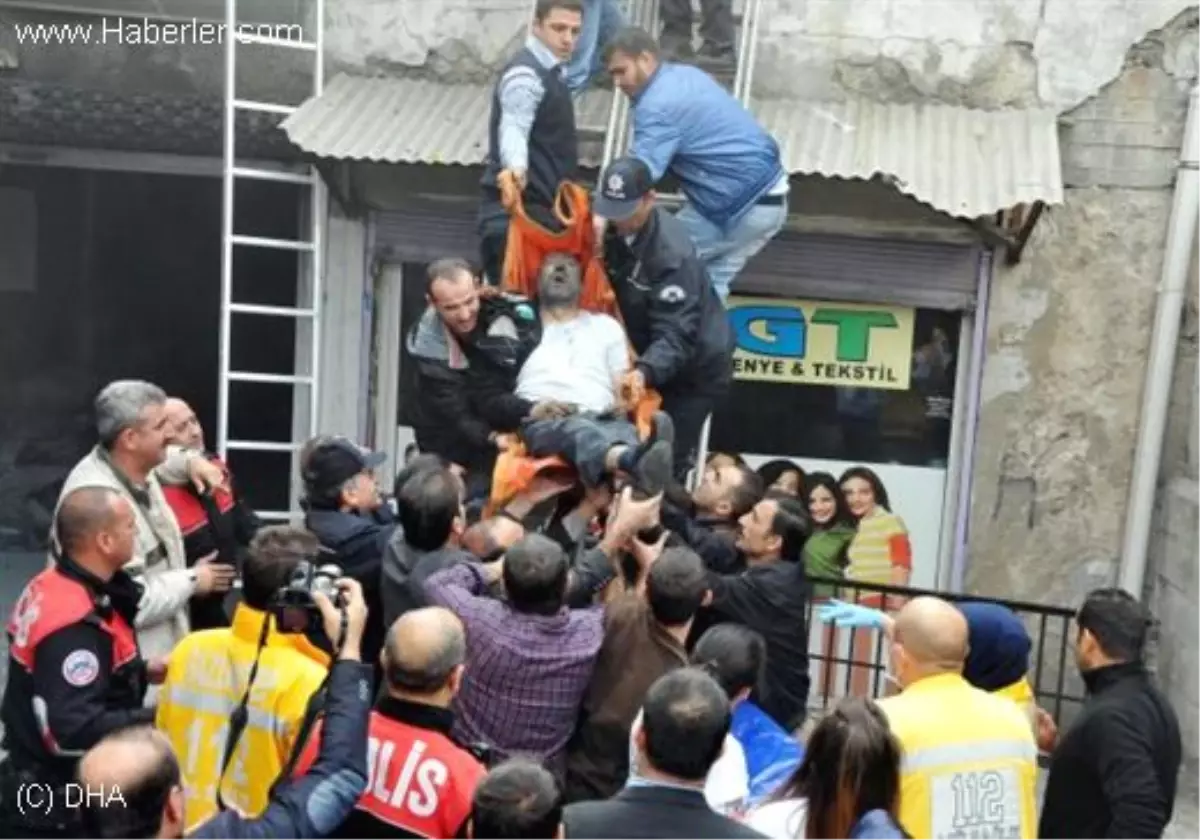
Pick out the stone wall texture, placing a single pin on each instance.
(985, 53)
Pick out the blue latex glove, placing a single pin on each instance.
(842, 614)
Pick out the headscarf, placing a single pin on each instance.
(999, 646)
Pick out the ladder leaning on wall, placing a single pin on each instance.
(303, 381)
(645, 14)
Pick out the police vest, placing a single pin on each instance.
(51, 602)
(420, 782)
(970, 761)
(190, 511)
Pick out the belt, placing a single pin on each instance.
(773, 200)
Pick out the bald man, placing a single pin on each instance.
(75, 672)
(422, 780)
(970, 761)
(217, 525)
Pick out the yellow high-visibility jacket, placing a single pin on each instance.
(970, 761)
(206, 678)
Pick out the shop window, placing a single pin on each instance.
(845, 382)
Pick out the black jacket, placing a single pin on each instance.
(460, 406)
(713, 538)
(319, 801)
(509, 330)
(674, 319)
(652, 812)
(772, 599)
(1114, 772)
(69, 685)
(357, 542)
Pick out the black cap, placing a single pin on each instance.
(625, 182)
(334, 462)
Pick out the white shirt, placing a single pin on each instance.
(728, 782)
(781, 820)
(577, 362)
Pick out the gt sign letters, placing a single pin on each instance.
(818, 343)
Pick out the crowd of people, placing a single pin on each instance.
(540, 630)
(400, 667)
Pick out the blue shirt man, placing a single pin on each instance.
(728, 166)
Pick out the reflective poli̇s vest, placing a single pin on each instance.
(206, 678)
(970, 761)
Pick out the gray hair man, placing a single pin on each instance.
(130, 458)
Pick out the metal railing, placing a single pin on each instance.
(846, 661)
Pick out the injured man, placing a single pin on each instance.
(571, 381)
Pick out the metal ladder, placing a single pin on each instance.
(645, 13)
(307, 310)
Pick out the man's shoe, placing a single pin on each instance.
(676, 48)
(654, 470)
(716, 53)
(662, 428)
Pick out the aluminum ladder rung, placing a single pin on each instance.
(263, 445)
(271, 41)
(280, 311)
(304, 180)
(269, 378)
(267, 242)
(264, 107)
(310, 239)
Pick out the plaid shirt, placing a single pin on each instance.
(526, 674)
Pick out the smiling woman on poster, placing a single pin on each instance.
(880, 553)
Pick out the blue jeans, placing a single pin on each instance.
(582, 439)
(601, 20)
(724, 252)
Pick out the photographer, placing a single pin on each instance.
(141, 764)
(207, 675)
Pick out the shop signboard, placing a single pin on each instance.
(821, 343)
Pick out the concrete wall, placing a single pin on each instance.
(1068, 333)
(978, 52)
(184, 64)
(1177, 589)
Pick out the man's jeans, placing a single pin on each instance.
(716, 21)
(601, 20)
(582, 439)
(725, 253)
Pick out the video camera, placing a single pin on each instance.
(293, 606)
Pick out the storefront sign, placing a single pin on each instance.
(820, 343)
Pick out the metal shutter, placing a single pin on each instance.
(932, 275)
(426, 234)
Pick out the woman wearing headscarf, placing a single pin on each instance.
(998, 659)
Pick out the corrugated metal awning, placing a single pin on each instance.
(962, 162)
